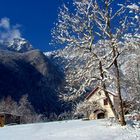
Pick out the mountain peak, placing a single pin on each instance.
(17, 45)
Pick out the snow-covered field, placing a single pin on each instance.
(70, 130)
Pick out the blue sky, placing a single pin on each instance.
(35, 17)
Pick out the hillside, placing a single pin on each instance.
(30, 72)
(68, 130)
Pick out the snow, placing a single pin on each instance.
(49, 53)
(133, 6)
(69, 130)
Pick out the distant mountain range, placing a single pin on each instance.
(53, 79)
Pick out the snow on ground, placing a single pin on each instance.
(70, 130)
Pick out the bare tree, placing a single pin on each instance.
(132, 72)
(94, 20)
(27, 111)
(8, 105)
(22, 108)
(77, 30)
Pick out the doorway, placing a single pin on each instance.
(100, 116)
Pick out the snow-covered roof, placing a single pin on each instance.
(6, 113)
(97, 88)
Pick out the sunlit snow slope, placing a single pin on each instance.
(70, 130)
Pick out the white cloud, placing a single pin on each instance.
(7, 31)
(5, 23)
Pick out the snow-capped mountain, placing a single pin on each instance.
(17, 45)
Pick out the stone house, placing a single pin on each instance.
(98, 95)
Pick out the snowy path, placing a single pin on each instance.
(69, 130)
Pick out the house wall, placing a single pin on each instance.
(99, 97)
(9, 118)
(6, 118)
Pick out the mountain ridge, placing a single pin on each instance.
(30, 72)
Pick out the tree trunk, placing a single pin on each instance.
(106, 93)
(122, 118)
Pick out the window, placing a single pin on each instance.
(106, 101)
